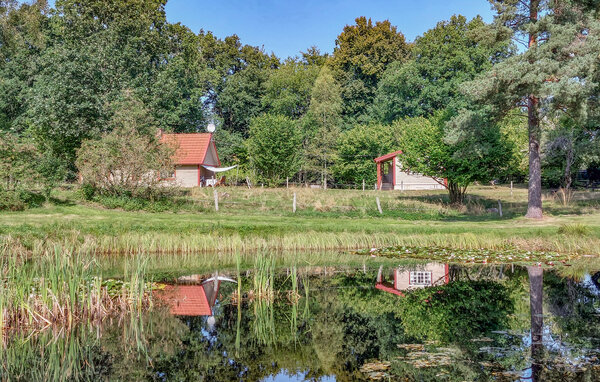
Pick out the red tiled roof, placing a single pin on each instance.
(188, 300)
(387, 157)
(191, 148)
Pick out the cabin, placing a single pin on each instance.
(195, 159)
(430, 274)
(392, 176)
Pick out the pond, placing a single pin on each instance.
(422, 322)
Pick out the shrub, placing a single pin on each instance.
(125, 163)
(576, 229)
(19, 200)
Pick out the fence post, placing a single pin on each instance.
(363, 184)
(287, 182)
(216, 194)
(402, 185)
(294, 203)
(511, 188)
(499, 207)
(378, 205)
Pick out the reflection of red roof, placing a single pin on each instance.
(387, 157)
(191, 148)
(188, 300)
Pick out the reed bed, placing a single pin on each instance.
(59, 288)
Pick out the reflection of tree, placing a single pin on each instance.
(536, 296)
(456, 312)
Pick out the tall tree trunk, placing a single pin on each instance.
(456, 193)
(534, 203)
(536, 296)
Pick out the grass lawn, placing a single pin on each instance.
(262, 219)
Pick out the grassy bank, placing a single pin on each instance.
(262, 219)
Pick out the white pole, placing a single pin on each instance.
(363, 184)
(499, 207)
(378, 204)
(287, 182)
(216, 194)
(511, 188)
(294, 203)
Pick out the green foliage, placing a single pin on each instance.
(360, 57)
(288, 89)
(457, 311)
(322, 125)
(443, 58)
(128, 160)
(358, 147)
(438, 149)
(576, 229)
(274, 146)
(19, 200)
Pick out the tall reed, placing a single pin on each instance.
(60, 287)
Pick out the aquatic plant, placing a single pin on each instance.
(60, 288)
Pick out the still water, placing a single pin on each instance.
(425, 322)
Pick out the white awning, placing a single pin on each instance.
(218, 169)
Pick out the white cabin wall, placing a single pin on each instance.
(408, 182)
(186, 176)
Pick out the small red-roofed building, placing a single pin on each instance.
(195, 154)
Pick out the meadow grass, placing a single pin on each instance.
(259, 219)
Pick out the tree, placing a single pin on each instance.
(436, 148)
(288, 89)
(361, 54)
(274, 146)
(97, 50)
(552, 77)
(23, 36)
(322, 126)
(240, 99)
(443, 58)
(128, 160)
(358, 147)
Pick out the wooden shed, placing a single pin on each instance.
(392, 176)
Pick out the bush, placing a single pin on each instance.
(576, 229)
(19, 200)
(127, 161)
(130, 203)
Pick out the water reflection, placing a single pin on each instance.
(419, 277)
(415, 322)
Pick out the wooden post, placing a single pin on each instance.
(511, 188)
(499, 207)
(402, 185)
(216, 194)
(294, 203)
(378, 204)
(363, 184)
(287, 182)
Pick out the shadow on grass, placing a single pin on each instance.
(61, 202)
(481, 208)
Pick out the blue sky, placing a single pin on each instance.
(288, 27)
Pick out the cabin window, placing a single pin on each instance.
(420, 278)
(167, 174)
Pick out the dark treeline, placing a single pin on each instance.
(459, 100)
